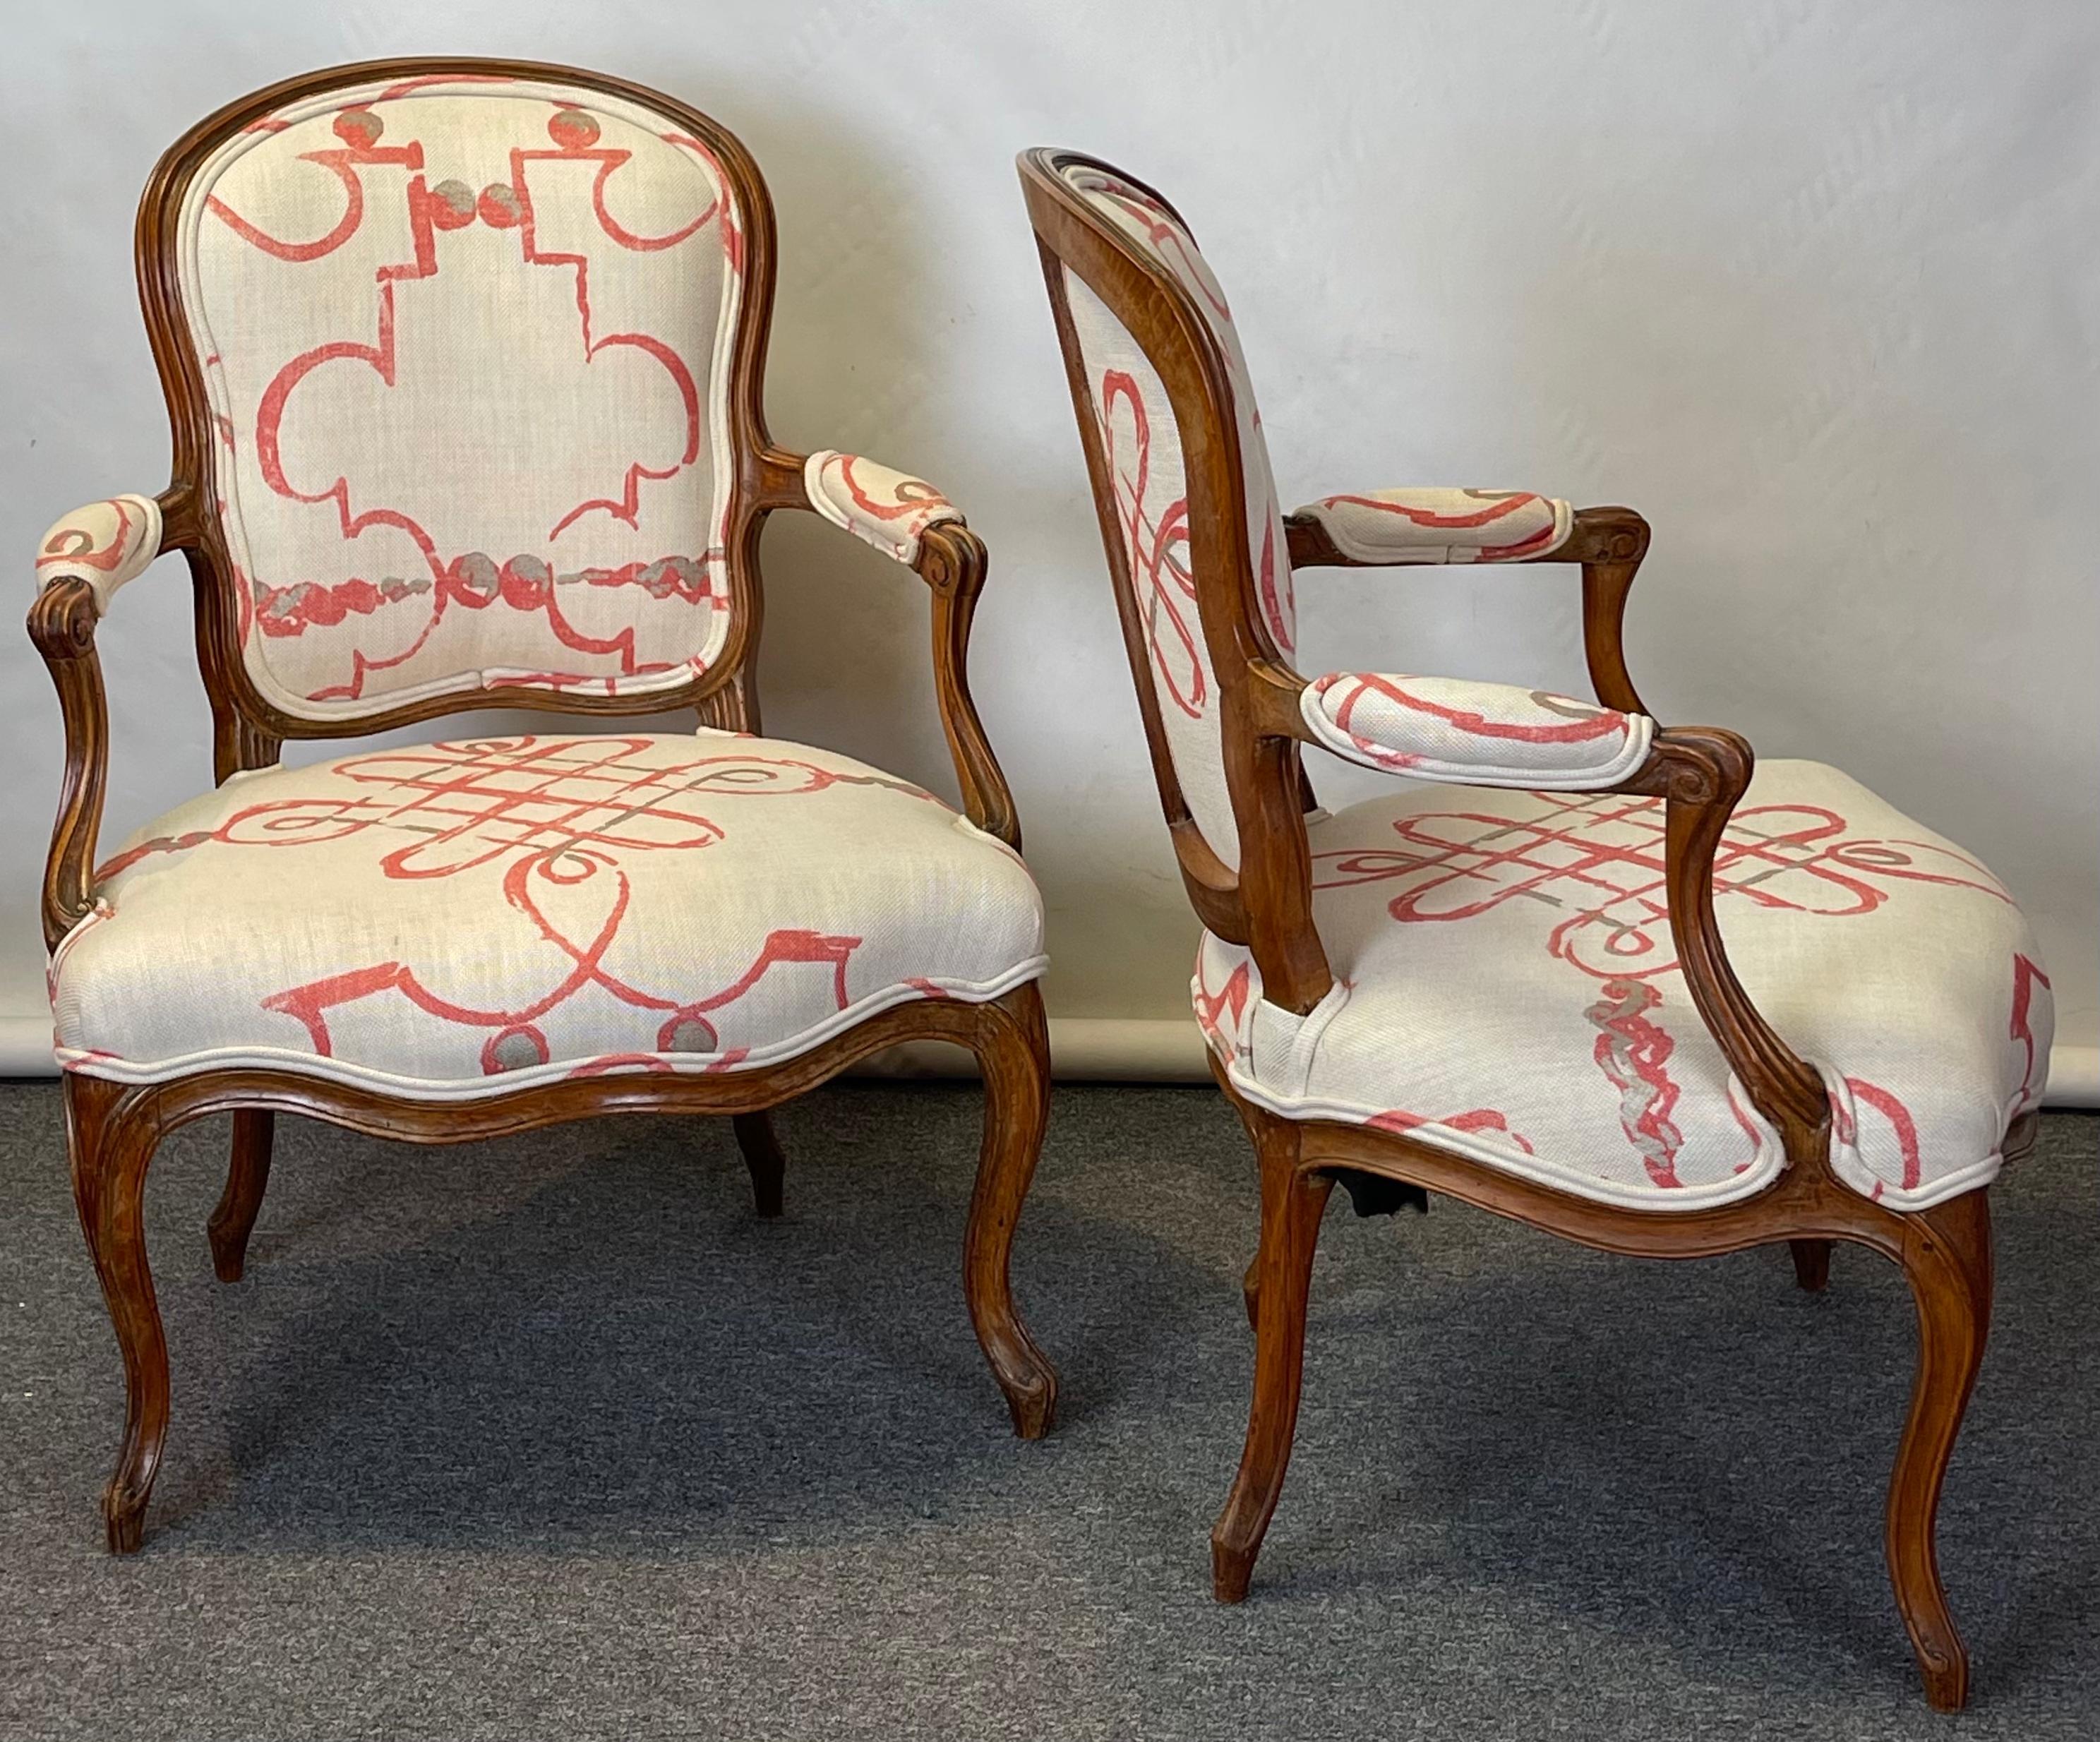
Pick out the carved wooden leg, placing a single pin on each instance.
(762, 1155)
(1947, 1256)
(1291, 1203)
(1012, 1046)
(111, 1132)
(1251, 1290)
(247, 1176)
(1811, 1263)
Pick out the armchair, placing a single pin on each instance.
(1604, 975)
(395, 505)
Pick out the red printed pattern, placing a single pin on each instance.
(73, 543)
(1601, 861)
(558, 813)
(877, 504)
(1144, 219)
(1409, 709)
(1418, 518)
(525, 583)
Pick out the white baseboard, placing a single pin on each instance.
(1082, 1049)
(2074, 1077)
(25, 1047)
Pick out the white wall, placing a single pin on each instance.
(1814, 287)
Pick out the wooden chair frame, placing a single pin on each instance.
(1267, 905)
(113, 1128)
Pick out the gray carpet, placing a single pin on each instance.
(551, 1438)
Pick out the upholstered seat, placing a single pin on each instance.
(1895, 963)
(456, 919)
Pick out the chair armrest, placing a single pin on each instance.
(887, 509)
(1481, 734)
(1385, 527)
(1427, 526)
(81, 562)
(105, 544)
(911, 522)
(1484, 734)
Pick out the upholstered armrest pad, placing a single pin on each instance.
(1442, 525)
(887, 509)
(1485, 735)
(105, 544)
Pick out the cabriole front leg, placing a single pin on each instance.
(1292, 1202)
(112, 1131)
(1012, 1046)
(1946, 1258)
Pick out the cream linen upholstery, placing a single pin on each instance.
(452, 920)
(465, 341)
(1491, 734)
(887, 509)
(1506, 988)
(1143, 446)
(1442, 525)
(105, 543)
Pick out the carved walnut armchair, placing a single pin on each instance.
(464, 360)
(1552, 976)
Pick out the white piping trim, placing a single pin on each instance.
(305, 1064)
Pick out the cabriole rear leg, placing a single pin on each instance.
(247, 1177)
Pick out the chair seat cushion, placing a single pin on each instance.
(1507, 987)
(450, 920)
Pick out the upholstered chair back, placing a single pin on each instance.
(1142, 449)
(468, 349)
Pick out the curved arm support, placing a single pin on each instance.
(942, 551)
(1700, 772)
(952, 562)
(81, 562)
(62, 625)
(1609, 543)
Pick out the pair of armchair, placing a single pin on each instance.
(463, 361)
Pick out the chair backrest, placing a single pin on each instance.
(1196, 543)
(463, 361)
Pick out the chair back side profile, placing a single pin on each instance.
(463, 363)
(1179, 467)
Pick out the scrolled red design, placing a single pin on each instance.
(74, 545)
(1473, 1120)
(1600, 859)
(561, 817)
(381, 162)
(1156, 546)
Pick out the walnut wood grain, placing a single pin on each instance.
(247, 1178)
(765, 1160)
(62, 624)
